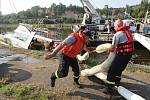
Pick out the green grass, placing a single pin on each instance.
(64, 26)
(92, 63)
(95, 59)
(20, 91)
(33, 53)
(135, 69)
(4, 79)
(26, 92)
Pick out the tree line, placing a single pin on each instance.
(72, 14)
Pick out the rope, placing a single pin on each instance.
(0, 7)
(13, 6)
(95, 6)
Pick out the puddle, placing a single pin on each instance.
(6, 56)
(30, 60)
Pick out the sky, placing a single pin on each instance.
(20, 5)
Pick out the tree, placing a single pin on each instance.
(53, 9)
(61, 9)
(22, 15)
(34, 11)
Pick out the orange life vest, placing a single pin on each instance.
(72, 50)
(128, 45)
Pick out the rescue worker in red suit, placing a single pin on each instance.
(69, 49)
(122, 49)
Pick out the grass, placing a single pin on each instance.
(26, 92)
(20, 91)
(23, 91)
(95, 59)
(4, 79)
(92, 63)
(135, 69)
(65, 26)
(33, 53)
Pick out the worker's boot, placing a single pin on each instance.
(76, 82)
(53, 78)
(109, 89)
(117, 82)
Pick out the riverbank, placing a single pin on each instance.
(27, 77)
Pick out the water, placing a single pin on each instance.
(141, 56)
(7, 28)
(7, 55)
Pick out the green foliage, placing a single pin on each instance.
(37, 12)
(136, 11)
(58, 11)
(75, 9)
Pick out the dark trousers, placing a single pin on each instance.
(117, 67)
(64, 64)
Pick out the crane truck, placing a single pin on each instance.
(91, 16)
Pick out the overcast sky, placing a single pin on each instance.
(19, 5)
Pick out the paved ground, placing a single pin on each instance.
(37, 71)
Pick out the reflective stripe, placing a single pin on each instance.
(118, 76)
(76, 76)
(113, 83)
(56, 74)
